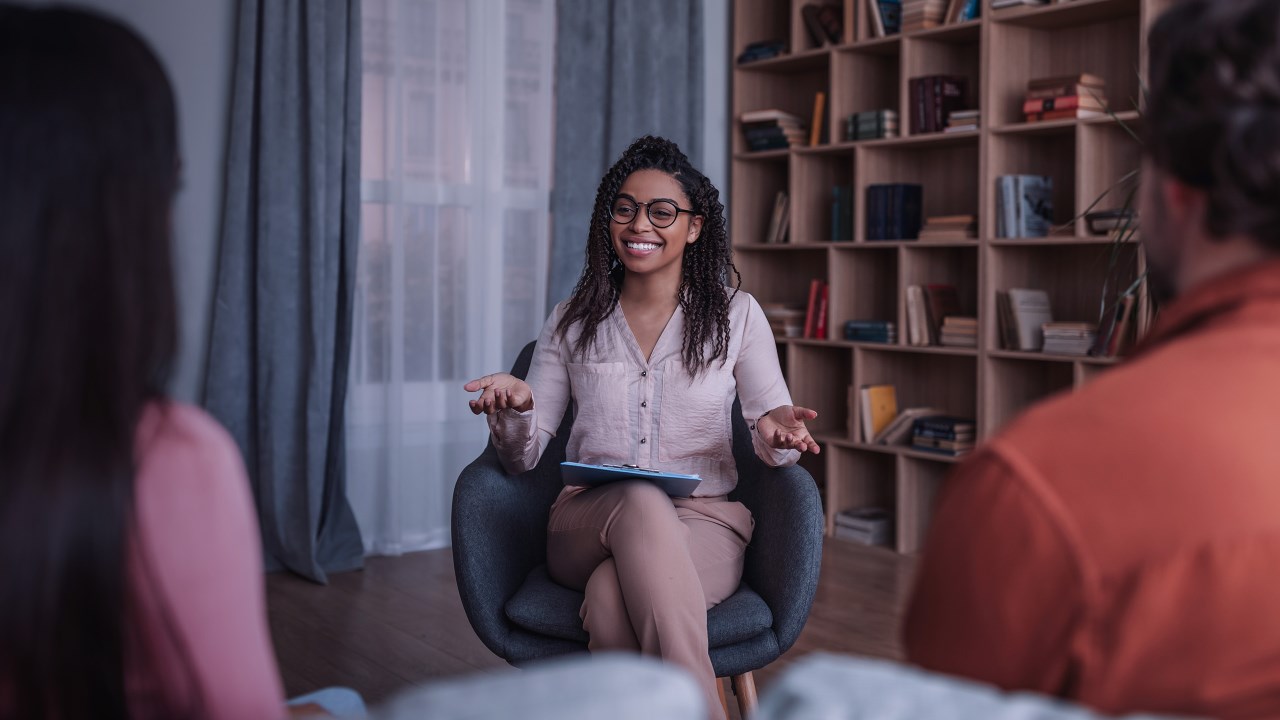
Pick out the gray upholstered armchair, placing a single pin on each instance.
(500, 544)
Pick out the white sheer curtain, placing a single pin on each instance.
(454, 244)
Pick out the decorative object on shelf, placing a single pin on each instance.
(824, 22)
(944, 434)
(938, 228)
(894, 211)
(871, 125)
(1116, 333)
(762, 50)
(1101, 222)
(1065, 97)
(933, 98)
(879, 406)
(923, 14)
(1069, 338)
(1024, 206)
(772, 129)
(865, 525)
(886, 16)
(871, 331)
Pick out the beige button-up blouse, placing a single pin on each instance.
(652, 413)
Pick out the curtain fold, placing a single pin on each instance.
(623, 70)
(281, 329)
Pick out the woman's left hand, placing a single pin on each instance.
(783, 428)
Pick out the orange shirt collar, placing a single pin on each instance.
(1209, 301)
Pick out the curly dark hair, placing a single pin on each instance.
(707, 263)
(1213, 110)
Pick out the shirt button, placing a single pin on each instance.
(644, 403)
(644, 373)
(643, 441)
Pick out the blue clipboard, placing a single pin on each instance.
(581, 474)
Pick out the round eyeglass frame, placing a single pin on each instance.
(648, 211)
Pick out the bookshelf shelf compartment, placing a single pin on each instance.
(1050, 155)
(815, 371)
(869, 290)
(1021, 383)
(943, 381)
(860, 479)
(919, 481)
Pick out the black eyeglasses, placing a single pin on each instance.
(662, 213)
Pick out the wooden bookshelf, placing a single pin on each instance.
(997, 54)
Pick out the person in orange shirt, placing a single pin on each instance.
(1118, 546)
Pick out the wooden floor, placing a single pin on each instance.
(399, 621)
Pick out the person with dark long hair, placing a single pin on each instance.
(651, 349)
(133, 583)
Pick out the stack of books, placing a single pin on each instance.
(874, 331)
(868, 525)
(772, 129)
(949, 227)
(786, 320)
(1069, 338)
(963, 120)
(899, 429)
(871, 125)
(894, 211)
(1065, 97)
(762, 50)
(944, 434)
(959, 331)
(1024, 206)
(932, 100)
(923, 14)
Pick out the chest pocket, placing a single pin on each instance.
(695, 412)
(600, 391)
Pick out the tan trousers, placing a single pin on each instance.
(651, 566)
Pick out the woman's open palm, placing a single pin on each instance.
(783, 428)
(501, 391)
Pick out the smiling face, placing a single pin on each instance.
(644, 248)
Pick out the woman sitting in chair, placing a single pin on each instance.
(651, 349)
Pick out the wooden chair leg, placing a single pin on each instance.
(744, 687)
(724, 703)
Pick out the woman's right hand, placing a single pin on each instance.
(501, 391)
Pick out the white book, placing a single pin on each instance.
(917, 323)
(1031, 311)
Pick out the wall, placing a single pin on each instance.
(194, 39)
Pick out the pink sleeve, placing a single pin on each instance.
(521, 438)
(761, 386)
(200, 540)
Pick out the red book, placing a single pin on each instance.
(1069, 102)
(820, 325)
(810, 315)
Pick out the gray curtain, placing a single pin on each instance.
(623, 69)
(281, 330)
